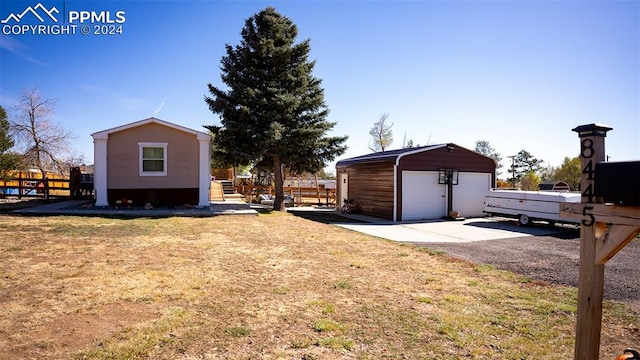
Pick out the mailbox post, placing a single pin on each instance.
(604, 230)
(591, 275)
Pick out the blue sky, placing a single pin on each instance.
(520, 75)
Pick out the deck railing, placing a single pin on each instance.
(301, 195)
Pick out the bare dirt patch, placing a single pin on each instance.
(270, 287)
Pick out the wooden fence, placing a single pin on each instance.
(27, 184)
(300, 195)
(312, 195)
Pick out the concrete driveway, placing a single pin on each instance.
(459, 231)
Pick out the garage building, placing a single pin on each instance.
(417, 183)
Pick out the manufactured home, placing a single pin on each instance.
(152, 161)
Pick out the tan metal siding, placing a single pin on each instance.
(371, 188)
(123, 158)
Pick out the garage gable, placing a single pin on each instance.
(448, 156)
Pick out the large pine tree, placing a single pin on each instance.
(8, 160)
(273, 112)
(6, 141)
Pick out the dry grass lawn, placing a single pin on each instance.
(267, 287)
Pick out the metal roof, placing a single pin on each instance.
(388, 155)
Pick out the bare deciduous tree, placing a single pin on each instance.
(381, 134)
(43, 141)
(408, 143)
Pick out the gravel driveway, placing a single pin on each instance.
(553, 259)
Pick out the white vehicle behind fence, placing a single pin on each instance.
(529, 205)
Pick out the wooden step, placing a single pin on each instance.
(234, 198)
(227, 186)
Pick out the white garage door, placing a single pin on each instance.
(422, 196)
(468, 195)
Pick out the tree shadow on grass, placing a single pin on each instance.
(9, 205)
(326, 217)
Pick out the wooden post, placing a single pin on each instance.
(605, 229)
(20, 187)
(317, 189)
(591, 276)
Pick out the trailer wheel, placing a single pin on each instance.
(524, 220)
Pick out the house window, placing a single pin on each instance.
(153, 159)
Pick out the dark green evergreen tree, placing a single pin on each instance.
(483, 147)
(273, 112)
(6, 141)
(524, 163)
(8, 160)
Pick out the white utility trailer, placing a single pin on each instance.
(529, 205)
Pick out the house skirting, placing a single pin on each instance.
(155, 197)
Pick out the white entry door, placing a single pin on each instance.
(344, 189)
(422, 196)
